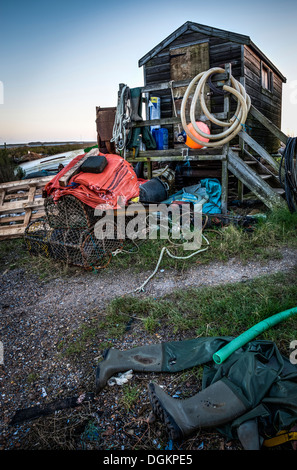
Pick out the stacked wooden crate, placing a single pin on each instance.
(20, 203)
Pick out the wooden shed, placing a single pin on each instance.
(194, 48)
(244, 163)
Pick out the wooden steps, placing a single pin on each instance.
(258, 185)
(279, 190)
(265, 177)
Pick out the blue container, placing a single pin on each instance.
(161, 138)
(155, 110)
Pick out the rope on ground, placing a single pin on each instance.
(129, 252)
(165, 249)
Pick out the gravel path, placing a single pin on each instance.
(86, 290)
(36, 315)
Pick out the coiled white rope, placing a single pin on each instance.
(122, 120)
(234, 125)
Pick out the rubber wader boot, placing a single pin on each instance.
(248, 435)
(213, 406)
(140, 359)
(136, 103)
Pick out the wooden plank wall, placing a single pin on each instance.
(269, 104)
(245, 63)
(158, 69)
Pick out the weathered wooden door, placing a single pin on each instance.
(185, 63)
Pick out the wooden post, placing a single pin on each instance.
(2, 196)
(149, 169)
(224, 196)
(28, 212)
(225, 179)
(240, 190)
(240, 185)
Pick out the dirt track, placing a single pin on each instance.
(36, 315)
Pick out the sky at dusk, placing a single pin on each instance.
(60, 59)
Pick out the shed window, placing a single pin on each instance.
(266, 78)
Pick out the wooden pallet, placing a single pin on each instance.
(20, 203)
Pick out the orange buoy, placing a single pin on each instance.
(204, 128)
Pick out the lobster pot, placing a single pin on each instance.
(68, 212)
(66, 246)
(37, 238)
(95, 253)
(73, 239)
(57, 243)
(99, 244)
(74, 246)
(79, 248)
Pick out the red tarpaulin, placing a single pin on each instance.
(118, 180)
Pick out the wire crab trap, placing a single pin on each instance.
(68, 212)
(37, 238)
(74, 246)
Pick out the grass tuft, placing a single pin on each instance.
(215, 311)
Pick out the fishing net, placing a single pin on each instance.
(68, 233)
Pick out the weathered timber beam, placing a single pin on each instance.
(21, 206)
(24, 184)
(178, 155)
(164, 86)
(268, 124)
(12, 232)
(180, 158)
(224, 180)
(209, 31)
(5, 221)
(64, 180)
(177, 84)
(172, 120)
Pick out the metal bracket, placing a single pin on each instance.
(185, 154)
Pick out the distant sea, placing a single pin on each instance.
(49, 144)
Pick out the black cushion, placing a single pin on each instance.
(94, 164)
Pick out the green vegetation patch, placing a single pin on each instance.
(262, 241)
(226, 310)
(215, 311)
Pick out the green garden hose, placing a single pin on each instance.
(222, 354)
